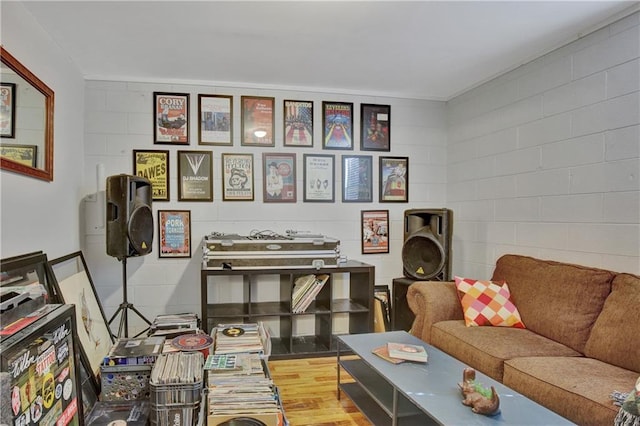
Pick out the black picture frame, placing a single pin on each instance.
(319, 178)
(171, 118)
(297, 117)
(215, 115)
(153, 165)
(375, 127)
(195, 176)
(337, 125)
(394, 179)
(279, 178)
(237, 177)
(174, 234)
(357, 179)
(8, 100)
(257, 121)
(375, 231)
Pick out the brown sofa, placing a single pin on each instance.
(581, 342)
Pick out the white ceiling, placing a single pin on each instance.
(419, 49)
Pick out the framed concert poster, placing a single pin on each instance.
(375, 127)
(195, 176)
(26, 155)
(319, 172)
(298, 123)
(375, 231)
(8, 110)
(337, 125)
(257, 120)
(237, 177)
(174, 231)
(171, 118)
(279, 178)
(216, 120)
(154, 166)
(394, 179)
(357, 177)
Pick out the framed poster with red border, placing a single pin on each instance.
(171, 118)
(257, 120)
(174, 233)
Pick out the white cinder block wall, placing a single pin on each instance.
(544, 160)
(119, 119)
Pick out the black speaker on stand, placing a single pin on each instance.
(129, 232)
(426, 253)
(426, 256)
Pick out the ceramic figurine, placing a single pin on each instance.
(480, 399)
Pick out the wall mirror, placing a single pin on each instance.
(26, 120)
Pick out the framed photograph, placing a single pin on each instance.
(8, 110)
(298, 123)
(171, 118)
(257, 120)
(174, 233)
(279, 177)
(337, 125)
(375, 127)
(382, 309)
(26, 155)
(394, 179)
(216, 120)
(357, 177)
(318, 173)
(375, 231)
(74, 285)
(154, 166)
(237, 177)
(195, 176)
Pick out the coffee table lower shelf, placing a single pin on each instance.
(374, 397)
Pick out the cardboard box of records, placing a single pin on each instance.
(270, 250)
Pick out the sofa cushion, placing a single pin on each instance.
(487, 303)
(557, 300)
(577, 388)
(486, 348)
(615, 337)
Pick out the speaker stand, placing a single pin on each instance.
(125, 306)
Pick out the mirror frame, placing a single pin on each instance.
(47, 172)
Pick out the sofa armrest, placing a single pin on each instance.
(432, 302)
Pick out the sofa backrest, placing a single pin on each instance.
(615, 337)
(557, 300)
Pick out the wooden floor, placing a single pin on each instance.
(308, 389)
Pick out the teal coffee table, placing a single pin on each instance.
(423, 394)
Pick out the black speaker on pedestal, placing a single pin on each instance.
(129, 232)
(129, 216)
(426, 252)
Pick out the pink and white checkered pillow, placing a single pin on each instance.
(487, 303)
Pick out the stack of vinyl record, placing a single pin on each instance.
(236, 338)
(305, 290)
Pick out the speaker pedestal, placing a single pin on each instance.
(125, 306)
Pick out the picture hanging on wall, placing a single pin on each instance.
(174, 233)
(171, 118)
(357, 178)
(298, 123)
(337, 125)
(257, 120)
(319, 172)
(375, 127)
(154, 166)
(375, 231)
(237, 177)
(195, 176)
(279, 178)
(7, 110)
(23, 154)
(394, 179)
(216, 120)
